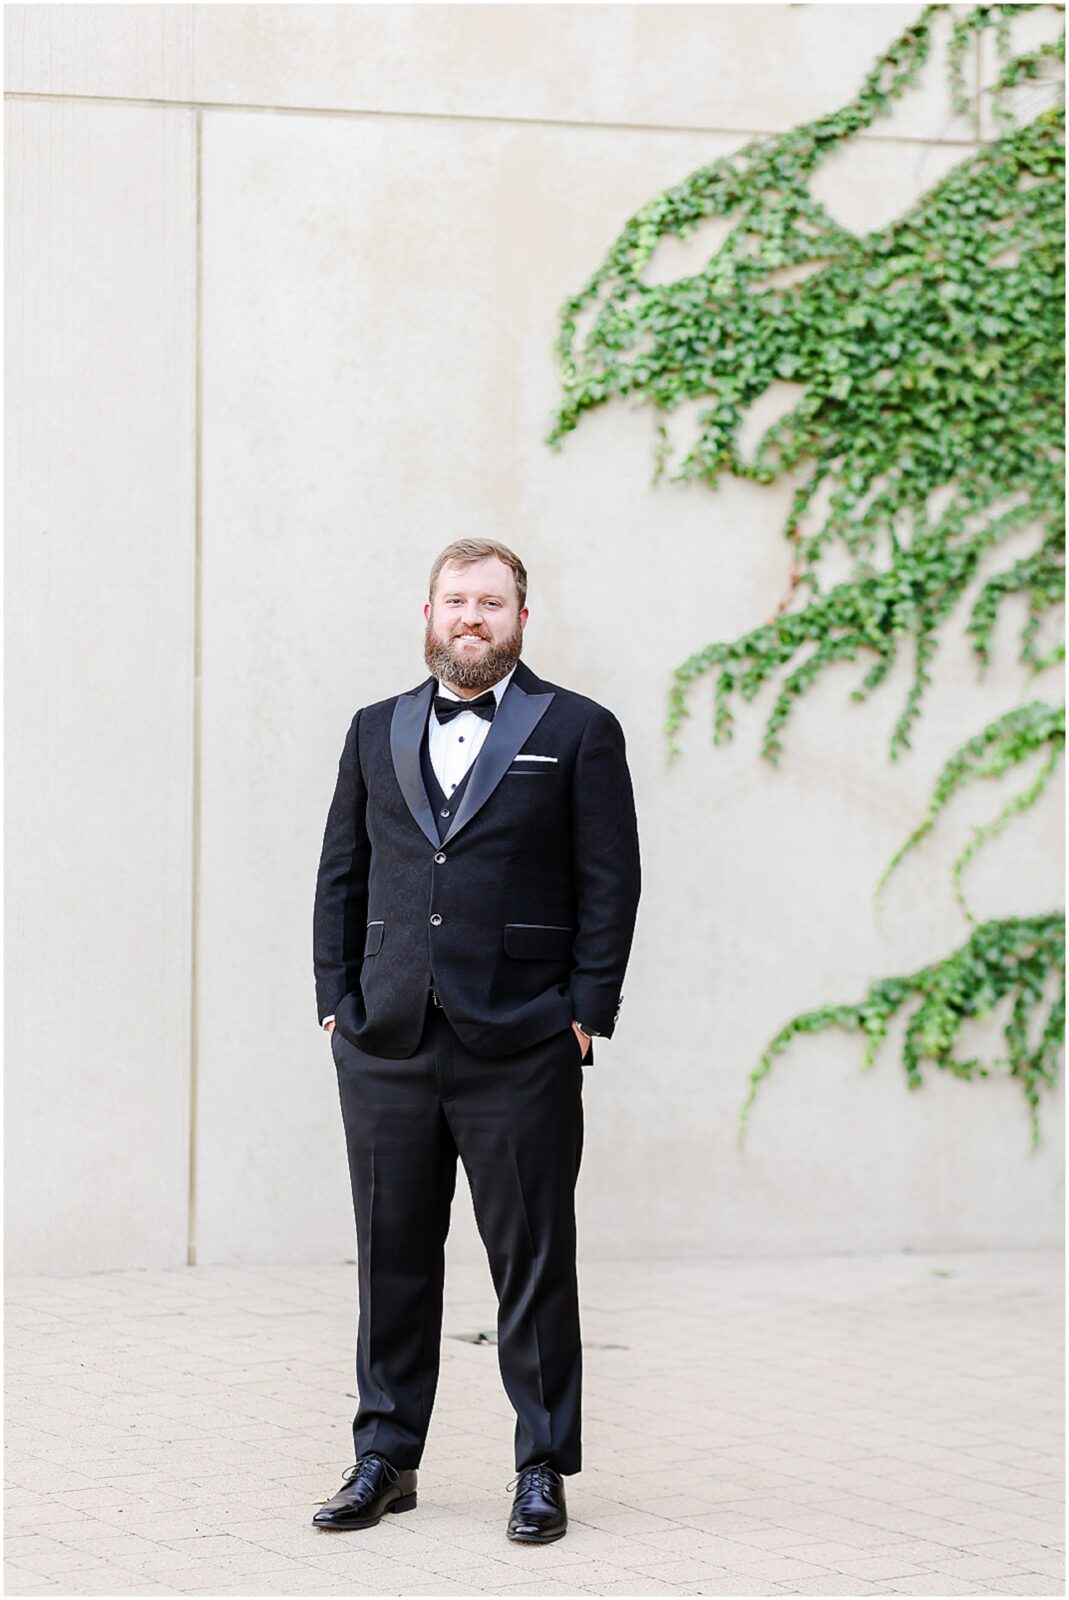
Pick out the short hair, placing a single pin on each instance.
(464, 552)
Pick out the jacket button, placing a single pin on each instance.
(436, 920)
(440, 857)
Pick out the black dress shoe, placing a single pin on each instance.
(370, 1487)
(539, 1514)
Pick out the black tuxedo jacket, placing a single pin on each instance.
(521, 917)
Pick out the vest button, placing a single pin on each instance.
(440, 857)
(444, 813)
(436, 921)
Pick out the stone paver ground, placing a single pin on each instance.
(848, 1425)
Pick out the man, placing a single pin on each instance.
(474, 911)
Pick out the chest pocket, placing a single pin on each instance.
(529, 768)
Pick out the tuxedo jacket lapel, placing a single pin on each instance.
(406, 733)
(515, 719)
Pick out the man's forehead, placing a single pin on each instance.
(490, 573)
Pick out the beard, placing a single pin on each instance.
(447, 661)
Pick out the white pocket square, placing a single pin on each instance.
(534, 758)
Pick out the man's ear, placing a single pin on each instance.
(523, 617)
(427, 612)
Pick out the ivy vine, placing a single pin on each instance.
(1032, 729)
(925, 430)
(1012, 957)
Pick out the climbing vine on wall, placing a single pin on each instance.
(1010, 958)
(924, 432)
(1033, 729)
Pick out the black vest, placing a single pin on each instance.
(444, 806)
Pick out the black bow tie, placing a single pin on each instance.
(484, 705)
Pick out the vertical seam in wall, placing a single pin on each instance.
(194, 996)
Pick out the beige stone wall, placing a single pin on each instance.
(282, 290)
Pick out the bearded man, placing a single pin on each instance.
(474, 913)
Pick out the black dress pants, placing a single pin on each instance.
(517, 1123)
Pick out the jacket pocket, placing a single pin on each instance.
(373, 938)
(537, 941)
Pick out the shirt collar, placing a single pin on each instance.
(499, 688)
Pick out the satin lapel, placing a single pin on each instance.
(514, 721)
(406, 734)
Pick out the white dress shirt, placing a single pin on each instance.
(455, 744)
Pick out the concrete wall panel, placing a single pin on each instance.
(378, 321)
(128, 52)
(100, 485)
(676, 66)
(378, 377)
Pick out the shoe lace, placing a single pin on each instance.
(363, 1463)
(536, 1476)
